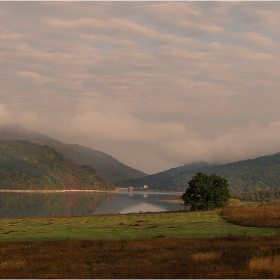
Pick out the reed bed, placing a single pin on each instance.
(254, 216)
(230, 257)
(266, 264)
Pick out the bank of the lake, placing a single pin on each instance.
(54, 191)
(175, 200)
(128, 226)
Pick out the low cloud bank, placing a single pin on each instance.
(153, 146)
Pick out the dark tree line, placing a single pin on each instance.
(261, 195)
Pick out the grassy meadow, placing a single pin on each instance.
(174, 245)
(130, 226)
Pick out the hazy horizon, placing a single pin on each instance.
(154, 84)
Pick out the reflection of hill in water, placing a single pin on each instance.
(137, 202)
(143, 207)
(50, 204)
(19, 205)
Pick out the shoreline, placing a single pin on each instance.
(73, 190)
(175, 201)
(54, 191)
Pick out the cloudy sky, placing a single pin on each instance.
(154, 84)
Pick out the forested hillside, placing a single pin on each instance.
(257, 174)
(25, 165)
(157, 180)
(106, 166)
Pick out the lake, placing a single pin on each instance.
(29, 205)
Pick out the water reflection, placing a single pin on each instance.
(19, 205)
(140, 206)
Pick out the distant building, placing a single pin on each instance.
(145, 186)
(130, 189)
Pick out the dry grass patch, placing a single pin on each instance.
(209, 256)
(256, 216)
(12, 264)
(231, 257)
(268, 264)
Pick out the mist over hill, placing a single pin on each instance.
(106, 166)
(29, 166)
(261, 173)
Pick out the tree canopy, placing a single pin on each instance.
(206, 192)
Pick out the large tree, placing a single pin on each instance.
(206, 192)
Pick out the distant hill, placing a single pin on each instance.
(25, 165)
(106, 166)
(252, 174)
(248, 175)
(157, 180)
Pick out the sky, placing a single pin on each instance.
(154, 84)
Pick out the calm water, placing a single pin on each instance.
(22, 205)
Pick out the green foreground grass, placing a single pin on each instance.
(130, 226)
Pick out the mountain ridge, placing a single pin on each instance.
(106, 166)
(260, 173)
(256, 174)
(29, 166)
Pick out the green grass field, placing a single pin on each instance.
(131, 226)
(181, 245)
